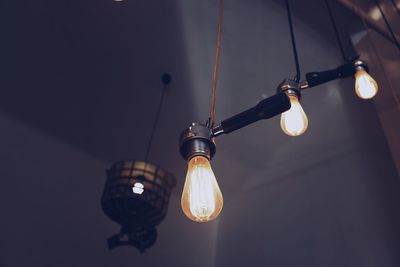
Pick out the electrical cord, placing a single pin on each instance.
(296, 57)
(339, 41)
(211, 120)
(166, 80)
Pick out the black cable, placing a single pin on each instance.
(395, 7)
(339, 41)
(166, 79)
(296, 57)
(388, 25)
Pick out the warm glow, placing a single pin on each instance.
(138, 188)
(375, 13)
(366, 87)
(294, 122)
(201, 198)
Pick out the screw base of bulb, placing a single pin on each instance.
(290, 87)
(360, 65)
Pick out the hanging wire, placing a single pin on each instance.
(339, 41)
(395, 7)
(166, 80)
(211, 120)
(388, 24)
(373, 46)
(296, 57)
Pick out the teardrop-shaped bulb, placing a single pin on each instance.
(294, 122)
(366, 87)
(201, 198)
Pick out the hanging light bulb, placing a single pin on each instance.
(201, 198)
(294, 121)
(366, 87)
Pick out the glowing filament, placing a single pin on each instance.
(366, 87)
(201, 198)
(294, 122)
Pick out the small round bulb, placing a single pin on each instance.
(294, 122)
(201, 198)
(366, 87)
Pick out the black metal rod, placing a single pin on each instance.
(317, 78)
(265, 109)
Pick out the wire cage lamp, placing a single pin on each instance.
(136, 196)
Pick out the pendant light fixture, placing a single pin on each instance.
(365, 86)
(136, 195)
(294, 122)
(202, 199)
(374, 48)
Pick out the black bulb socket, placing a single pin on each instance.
(197, 140)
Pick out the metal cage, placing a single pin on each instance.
(136, 196)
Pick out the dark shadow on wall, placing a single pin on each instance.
(86, 74)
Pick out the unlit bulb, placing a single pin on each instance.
(366, 87)
(294, 122)
(201, 198)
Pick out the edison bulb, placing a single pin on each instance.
(201, 198)
(366, 87)
(294, 122)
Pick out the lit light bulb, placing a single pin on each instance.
(201, 198)
(138, 188)
(294, 122)
(366, 87)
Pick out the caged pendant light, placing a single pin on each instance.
(136, 195)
